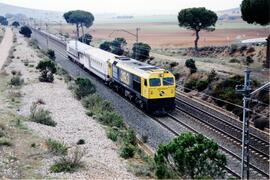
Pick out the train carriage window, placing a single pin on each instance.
(155, 82)
(168, 81)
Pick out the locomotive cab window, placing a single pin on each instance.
(155, 82)
(168, 81)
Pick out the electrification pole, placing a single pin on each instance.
(247, 92)
(47, 37)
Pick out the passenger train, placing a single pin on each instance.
(151, 88)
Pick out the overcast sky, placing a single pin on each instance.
(125, 6)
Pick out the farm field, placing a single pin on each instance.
(168, 34)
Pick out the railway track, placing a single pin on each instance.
(228, 152)
(258, 146)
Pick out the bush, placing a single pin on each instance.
(243, 48)
(250, 50)
(46, 76)
(16, 81)
(41, 116)
(80, 142)
(48, 65)
(91, 100)
(212, 76)
(112, 133)
(190, 85)
(130, 137)
(173, 64)
(83, 87)
(69, 164)
(26, 31)
(234, 60)
(190, 63)
(51, 54)
(127, 151)
(233, 48)
(176, 75)
(5, 142)
(56, 147)
(111, 119)
(201, 85)
(249, 60)
(261, 123)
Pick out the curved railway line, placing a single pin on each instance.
(259, 146)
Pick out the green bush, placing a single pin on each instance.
(111, 119)
(249, 60)
(201, 85)
(190, 85)
(80, 142)
(68, 164)
(83, 87)
(190, 63)
(47, 64)
(26, 31)
(5, 142)
(233, 48)
(51, 54)
(212, 76)
(57, 148)
(46, 76)
(234, 60)
(130, 137)
(16, 81)
(127, 151)
(112, 133)
(41, 116)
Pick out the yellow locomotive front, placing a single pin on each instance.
(158, 91)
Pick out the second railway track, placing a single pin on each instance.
(258, 145)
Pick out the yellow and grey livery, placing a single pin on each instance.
(152, 88)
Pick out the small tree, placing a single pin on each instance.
(80, 19)
(51, 54)
(86, 38)
(47, 65)
(257, 11)
(190, 63)
(15, 24)
(197, 19)
(26, 31)
(141, 51)
(3, 21)
(117, 46)
(83, 87)
(190, 156)
(105, 46)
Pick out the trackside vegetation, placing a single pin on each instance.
(190, 156)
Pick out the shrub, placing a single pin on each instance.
(201, 85)
(250, 50)
(212, 76)
(26, 31)
(90, 100)
(46, 76)
(173, 64)
(33, 43)
(243, 48)
(190, 85)
(83, 87)
(176, 75)
(249, 60)
(80, 142)
(190, 63)
(111, 119)
(5, 142)
(130, 137)
(16, 81)
(48, 65)
(51, 54)
(261, 123)
(112, 133)
(69, 164)
(41, 116)
(234, 60)
(127, 151)
(233, 48)
(56, 147)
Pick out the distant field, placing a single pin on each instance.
(169, 35)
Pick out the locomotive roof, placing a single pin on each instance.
(138, 68)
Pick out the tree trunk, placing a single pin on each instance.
(267, 62)
(77, 38)
(82, 33)
(197, 39)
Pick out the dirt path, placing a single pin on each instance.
(5, 46)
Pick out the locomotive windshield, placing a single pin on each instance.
(168, 81)
(155, 82)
